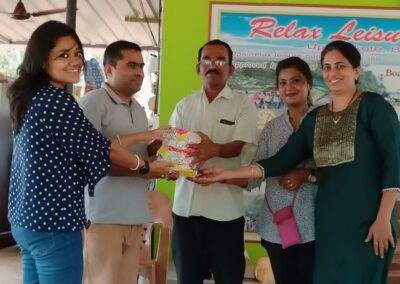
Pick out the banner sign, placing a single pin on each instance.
(261, 35)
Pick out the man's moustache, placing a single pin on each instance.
(212, 71)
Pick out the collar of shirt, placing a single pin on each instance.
(226, 92)
(115, 97)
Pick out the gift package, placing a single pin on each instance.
(175, 148)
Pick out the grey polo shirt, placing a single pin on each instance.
(229, 117)
(117, 200)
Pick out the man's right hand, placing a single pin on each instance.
(173, 175)
(203, 151)
(160, 169)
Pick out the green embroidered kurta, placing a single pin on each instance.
(349, 194)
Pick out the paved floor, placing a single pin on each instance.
(10, 266)
(10, 269)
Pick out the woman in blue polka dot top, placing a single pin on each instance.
(57, 152)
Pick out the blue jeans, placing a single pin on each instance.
(50, 257)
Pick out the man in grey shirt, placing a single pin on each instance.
(119, 207)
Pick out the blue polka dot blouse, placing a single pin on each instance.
(56, 154)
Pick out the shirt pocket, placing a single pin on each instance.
(225, 125)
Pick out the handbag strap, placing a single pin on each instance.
(269, 207)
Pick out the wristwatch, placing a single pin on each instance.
(312, 178)
(145, 168)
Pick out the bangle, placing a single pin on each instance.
(138, 163)
(119, 140)
(252, 171)
(391, 189)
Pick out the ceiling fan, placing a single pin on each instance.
(20, 12)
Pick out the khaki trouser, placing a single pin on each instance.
(111, 254)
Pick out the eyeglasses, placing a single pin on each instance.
(135, 65)
(218, 63)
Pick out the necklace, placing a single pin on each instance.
(339, 116)
(293, 123)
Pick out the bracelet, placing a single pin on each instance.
(119, 140)
(262, 171)
(252, 171)
(391, 189)
(138, 163)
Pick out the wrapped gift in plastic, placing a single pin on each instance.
(176, 148)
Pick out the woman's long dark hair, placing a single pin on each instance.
(31, 73)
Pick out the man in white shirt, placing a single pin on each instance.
(208, 220)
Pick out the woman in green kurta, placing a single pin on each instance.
(355, 141)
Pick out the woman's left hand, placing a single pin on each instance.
(381, 234)
(211, 175)
(158, 133)
(294, 179)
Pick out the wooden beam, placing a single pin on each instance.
(134, 19)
